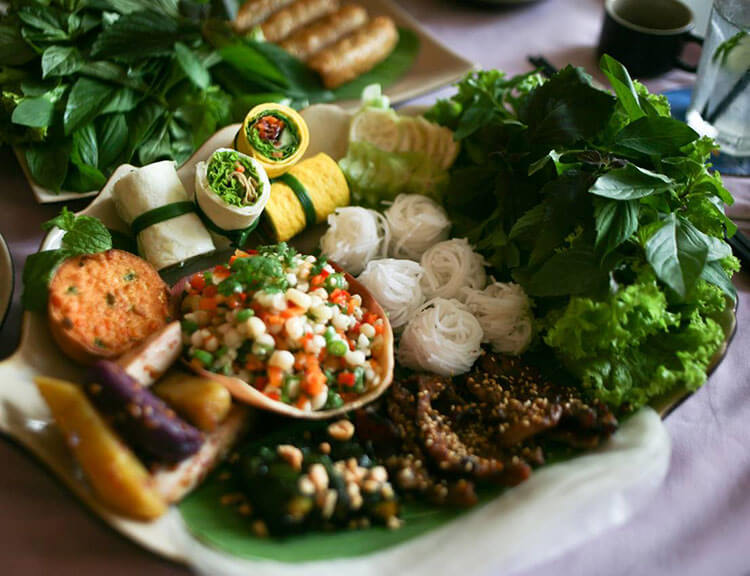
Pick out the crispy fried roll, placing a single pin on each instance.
(329, 29)
(301, 13)
(357, 53)
(253, 12)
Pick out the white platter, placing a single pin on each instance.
(436, 65)
(561, 506)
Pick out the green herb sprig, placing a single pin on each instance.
(83, 235)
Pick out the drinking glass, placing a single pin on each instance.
(720, 105)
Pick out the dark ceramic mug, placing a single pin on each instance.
(647, 36)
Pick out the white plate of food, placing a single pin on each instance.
(344, 45)
(371, 494)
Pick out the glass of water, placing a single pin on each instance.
(720, 106)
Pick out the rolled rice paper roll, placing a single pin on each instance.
(275, 135)
(307, 41)
(168, 241)
(228, 207)
(300, 13)
(253, 12)
(324, 185)
(355, 53)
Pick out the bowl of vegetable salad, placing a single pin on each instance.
(286, 332)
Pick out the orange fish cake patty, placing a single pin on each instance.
(101, 305)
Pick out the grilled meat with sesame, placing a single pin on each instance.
(438, 436)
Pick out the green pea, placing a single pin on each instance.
(205, 358)
(189, 326)
(334, 400)
(330, 334)
(359, 380)
(338, 348)
(244, 314)
(335, 281)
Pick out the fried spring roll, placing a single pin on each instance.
(282, 23)
(329, 29)
(357, 53)
(253, 12)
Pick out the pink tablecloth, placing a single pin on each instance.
(699, 522)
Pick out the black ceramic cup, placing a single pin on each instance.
(647, 36)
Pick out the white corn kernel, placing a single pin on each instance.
(321, 312)
(295, 327)
(282, 359)
(368, 330)
(319, 400)
(232, 338)
(363, 342)
(341, 322)
(255, 327)
(291, 279)
(355, 357)
(320, 293)
(298, 298)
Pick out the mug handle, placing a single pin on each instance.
(690, 38)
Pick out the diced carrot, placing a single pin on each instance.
(379, 328)
(275, 376)
(292, 311)
(274, 395)
(314, 382)
(208, 304)
(301, 401)
(210, 290)
(350, 306)
(274, 319)
(197, 281)
(370, 318)
(253, 363)
(346, 379)
(233, 302)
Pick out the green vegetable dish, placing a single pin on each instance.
(233, 177)
(274, 135)
(606, 213)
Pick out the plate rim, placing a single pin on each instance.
(7, 289)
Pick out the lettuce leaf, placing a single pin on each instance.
(631, 348)
(376, 176)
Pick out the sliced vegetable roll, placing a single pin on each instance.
(305, 196)
(275, 135)
(310, 39)
(357, 53)
(253, 12)
(153, 202)
(282, 23)
(231, 190)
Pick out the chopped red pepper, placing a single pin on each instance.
(346, 379)
(198, 282)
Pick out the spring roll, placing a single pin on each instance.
(232, 189)
(329, 29)
(169, 241)
(253, 12)
(357, 53)
(300, 14)
(275, 135)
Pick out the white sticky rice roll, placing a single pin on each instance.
(444, 337)
(395, 286)
(355, 236)
(451, 266)
(227, 216)
(417, 222)
(504, 312)
(170, 241)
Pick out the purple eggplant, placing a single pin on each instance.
(144, 420)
